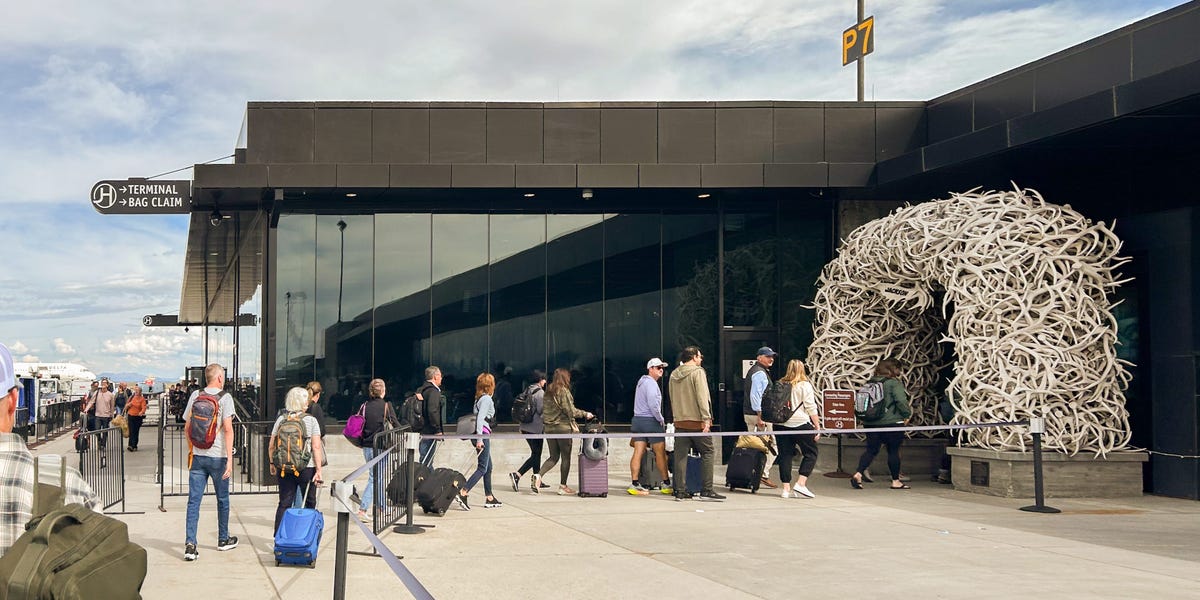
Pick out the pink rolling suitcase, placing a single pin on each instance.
(593, 464)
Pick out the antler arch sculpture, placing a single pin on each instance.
(1031, 323)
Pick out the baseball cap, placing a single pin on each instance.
(656, 362)
(8, 377)
(766, 351)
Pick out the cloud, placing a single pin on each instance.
(18, 348)
(30, 358)
(62, 347)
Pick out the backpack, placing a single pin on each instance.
(206, 416)
(412, 412)
(777, 402)
(70, 552)
(522, 407)
(292, 451)
(868, 401)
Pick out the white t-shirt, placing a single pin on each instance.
(225, 405)
(311, 428)
(804, 398)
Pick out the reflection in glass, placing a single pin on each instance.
(344, 302)
(690, 289)
(575, 274)
(751, 284)
(295, 345)
(402, 300)
(804, 249)
(632, 307)
(517, 334)
(460, 306)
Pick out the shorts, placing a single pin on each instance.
(647, 425)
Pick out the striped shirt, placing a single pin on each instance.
(16, 487)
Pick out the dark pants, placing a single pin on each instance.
(535, 456)
(788, 447)
(558, 449)
(289, 486)
(892, 439)
(483, 468)
(135, 427)
(103, 423)
(426, 449)
(702, 445)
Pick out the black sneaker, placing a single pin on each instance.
(228, 543)
(462, 501)
(681, 496)
(516, 480)
(493, 502)
(711, 495)
(190, 553)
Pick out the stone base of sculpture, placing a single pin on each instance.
(1010, 474)
(919, 457)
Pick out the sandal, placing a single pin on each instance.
(565, 491)
(856, 484)
(902, 486)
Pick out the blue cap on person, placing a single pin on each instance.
(8, 379)
(766, 351)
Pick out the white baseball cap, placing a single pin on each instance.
(656, 362)
(8, 378)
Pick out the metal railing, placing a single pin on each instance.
(55, 418)
(383, 513)
(251, 473)
(102, 463)
(21, 424)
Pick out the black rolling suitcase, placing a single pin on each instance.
(397, 488)
(439, 489)
(648, 475)
(745, 469)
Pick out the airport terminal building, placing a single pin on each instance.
(372, 239)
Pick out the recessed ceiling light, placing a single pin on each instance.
(704, 196)
(214, 253)
(224, 216)
(351, 195)
(530, 195)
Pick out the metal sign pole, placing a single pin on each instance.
(862, 83)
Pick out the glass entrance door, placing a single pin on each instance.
(739, 346)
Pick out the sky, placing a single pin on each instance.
(126, 88)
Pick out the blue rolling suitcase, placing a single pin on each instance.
(694, 481)
(298, 537)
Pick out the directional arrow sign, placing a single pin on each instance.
(838, 408)
(142, 197)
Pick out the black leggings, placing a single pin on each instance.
(788, 444)
(892, 439)
(535, 456)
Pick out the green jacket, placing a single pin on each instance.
(896, 407)
(559, 413)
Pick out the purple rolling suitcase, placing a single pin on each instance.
(593, 477)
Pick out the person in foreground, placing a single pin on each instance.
(214, 462)
(16, 467)
(803, 404)
(691, 406)
(895, 413)
(558, 416)
(485, 412)
(298, 478)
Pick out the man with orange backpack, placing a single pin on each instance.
(208, 426)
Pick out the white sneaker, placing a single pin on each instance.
(786, 493)
(802, 490)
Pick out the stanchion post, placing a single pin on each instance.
(341, 503)
(839, 473)
(1037, 426)
(411, 441)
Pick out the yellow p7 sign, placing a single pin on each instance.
(858, 41)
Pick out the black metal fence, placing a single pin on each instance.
(102, 463)
(383, 513)
(251, 473)
(56, 417)
(21, 425)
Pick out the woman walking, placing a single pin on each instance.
(292, 481)
(537, 395)
(803, 405)
(135, 410)
(485, 412)
(377, 417)
(896, 411)
(314, 408)
(558, 416)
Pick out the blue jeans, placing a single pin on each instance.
(365, 498)
(426, 450)
(204, 468)
(483, 468)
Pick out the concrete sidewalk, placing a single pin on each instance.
(926, 542)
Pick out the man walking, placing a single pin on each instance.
(16, 467)
(691, 406)
(431, 393)
(103, 405)
(757, 380)
(215, 463)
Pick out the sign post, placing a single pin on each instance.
(143, 197)
(857, 42)
(837, 412)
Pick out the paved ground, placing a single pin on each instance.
(929, 542)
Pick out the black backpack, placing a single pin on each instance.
(412, 412)
(776, 402)
(522, 407)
